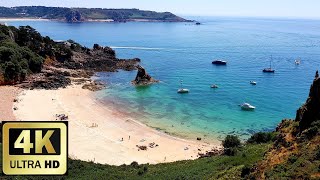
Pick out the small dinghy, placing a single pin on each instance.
(297, 62)
(247, 107)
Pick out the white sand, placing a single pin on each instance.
(22, 19)
(103, 144)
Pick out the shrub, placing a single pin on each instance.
(231, 144)
(231, 151)
(292, 159)
(311, 132)
(245, 171)
(231, 141)
(12, 71)
(262, 137)
(134, 164)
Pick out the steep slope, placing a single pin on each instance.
(295, 154)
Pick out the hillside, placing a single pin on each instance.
(33, 61)
(86, 14)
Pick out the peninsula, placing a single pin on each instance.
(87, 14)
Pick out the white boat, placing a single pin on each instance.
(297, 62)
(214, 86)
(253, 82)
(247, 107)
(182, 90)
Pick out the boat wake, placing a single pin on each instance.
(135, 48)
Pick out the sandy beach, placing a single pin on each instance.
(96, 132)
(22, 19)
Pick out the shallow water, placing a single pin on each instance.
(181, 51)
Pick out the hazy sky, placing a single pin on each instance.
(267, 8)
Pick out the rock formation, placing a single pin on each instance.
(74, 16)
(310, 111)
(143, 78)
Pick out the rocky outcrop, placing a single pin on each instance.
(310, 111)
(94, 86)
(99, 59)
(143, 78)
(74, 16)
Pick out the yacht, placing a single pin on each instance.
(182, 90)
(247, 107)
(269, 69)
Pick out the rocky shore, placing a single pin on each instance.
(78, 69)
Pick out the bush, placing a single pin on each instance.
(245, 171)
(134, 164)
(262, 137)
(12, 71)
(231, 144)
(231, 141)
(231, 151)
(311, 132)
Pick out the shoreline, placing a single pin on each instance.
(4, 19)
(95, 128)
(23, 19)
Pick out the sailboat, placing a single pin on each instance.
(269, 70)
(182, 90)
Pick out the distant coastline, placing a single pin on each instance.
(86, 14)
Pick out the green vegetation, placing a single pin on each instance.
(23, 51)
(82, 14)
(231, 144)
(262, 137)
(217, 167)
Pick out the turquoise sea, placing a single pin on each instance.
(183, 51)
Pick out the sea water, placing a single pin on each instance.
(174, 52)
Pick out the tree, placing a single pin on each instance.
(12, 71)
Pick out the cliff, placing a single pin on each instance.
(295, 151)
(310, 111)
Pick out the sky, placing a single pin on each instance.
(247, 8)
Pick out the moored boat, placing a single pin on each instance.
(214, 86)
(269, 69)
(219, 62)
(253, 82)
(182, 90)
(247, 107)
